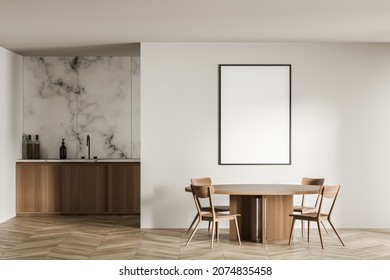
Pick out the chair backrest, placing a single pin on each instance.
(329, 193)
(313, 182)
(206, 181)
(203, 191)
(202, 188)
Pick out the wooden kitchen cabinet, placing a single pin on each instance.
(38, 188)
(44, 188)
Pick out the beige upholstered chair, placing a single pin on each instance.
(201, 192)
(327, 193)
(218, 208)
(305, 208)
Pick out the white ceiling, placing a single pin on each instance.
(33, 26)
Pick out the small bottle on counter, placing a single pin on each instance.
(37, 153)
(29, 147)
(24, 146)
(63, 150)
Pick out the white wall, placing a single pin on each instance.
(340, 125)
(11, 69)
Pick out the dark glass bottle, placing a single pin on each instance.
(24, 146)
(37, 152)
(29, 147)
(63, 150)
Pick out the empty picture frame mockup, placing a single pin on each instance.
(254, 114)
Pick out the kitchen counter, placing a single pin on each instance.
(80, 160)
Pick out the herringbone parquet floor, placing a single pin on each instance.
(119, 237)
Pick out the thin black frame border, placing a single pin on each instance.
(220, 111)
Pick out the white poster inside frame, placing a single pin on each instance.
(255, 114)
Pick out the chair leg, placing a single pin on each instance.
(308, 231)
(212, 235)
(336, 232)
(291, 231)
(193, 222)
(319, 232)
(238, 231)
(208, 229)
(193, 233)
(322, 223)
(217, 230)
(302, 226)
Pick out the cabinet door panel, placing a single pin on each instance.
(84, 188)
(124, 188)
(38, 188)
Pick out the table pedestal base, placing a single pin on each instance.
(263, 218)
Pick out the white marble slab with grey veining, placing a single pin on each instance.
(72, 97)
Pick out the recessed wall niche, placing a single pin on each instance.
(72, 97)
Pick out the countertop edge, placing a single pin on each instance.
(76, 160)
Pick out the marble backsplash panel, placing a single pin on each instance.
(72, 97)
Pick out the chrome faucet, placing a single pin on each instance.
(89, 146)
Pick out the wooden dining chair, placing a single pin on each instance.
(302, 208)
(218, 208)
(203, 192)
(327, 193)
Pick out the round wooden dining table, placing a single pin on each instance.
(264, 208)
